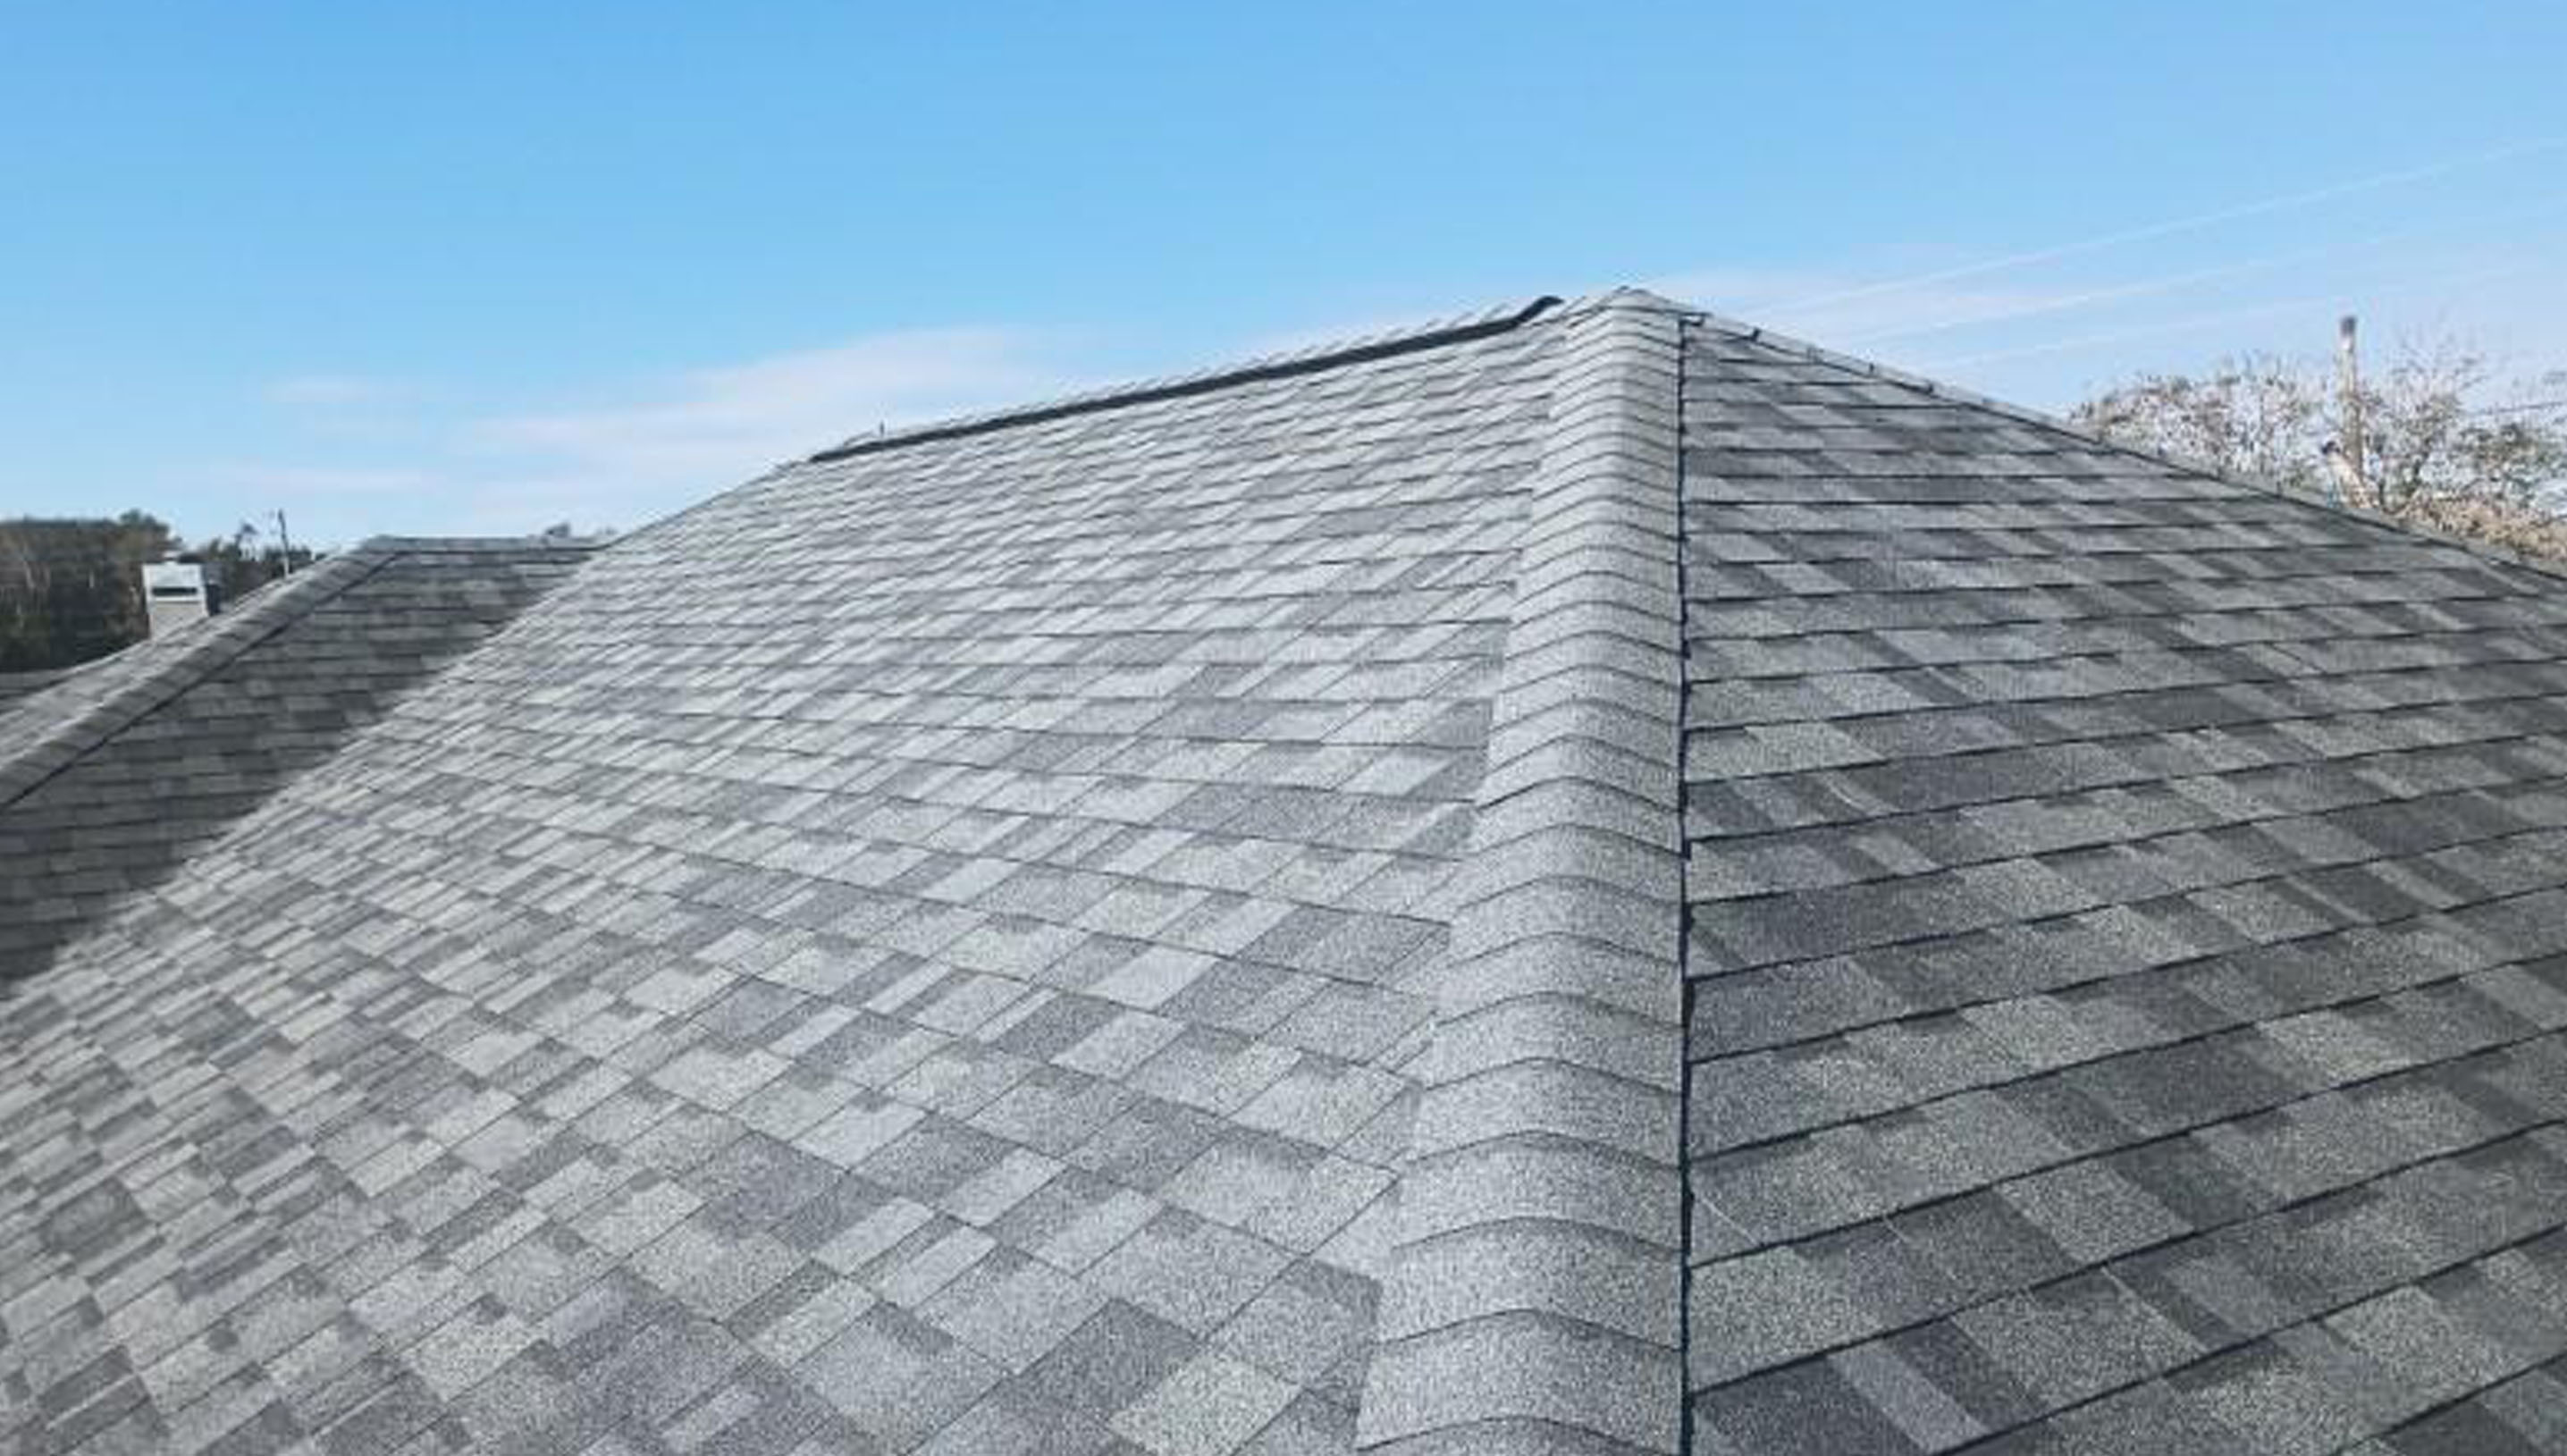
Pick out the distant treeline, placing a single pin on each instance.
(72, 590)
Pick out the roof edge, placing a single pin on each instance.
(1333, 355)
(1889, 373)
(1535, 1279)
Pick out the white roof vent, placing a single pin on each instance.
(174, 594)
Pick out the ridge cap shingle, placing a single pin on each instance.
(1524, 1312)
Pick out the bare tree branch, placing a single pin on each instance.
(2438, 451)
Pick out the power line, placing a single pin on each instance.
(2179, 224)
(2168, 283)
(2186, 281)
(2208, 320)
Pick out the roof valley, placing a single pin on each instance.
(1532, 1303)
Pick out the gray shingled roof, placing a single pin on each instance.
(1584, 880)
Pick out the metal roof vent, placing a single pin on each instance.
(173, 593)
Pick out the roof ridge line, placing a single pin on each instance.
(1335, 354)
(1520, 1346)
(2190, 465)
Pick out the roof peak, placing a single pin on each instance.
(1360, 349)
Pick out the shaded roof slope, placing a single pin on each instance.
(2127, 945)
(112, 774)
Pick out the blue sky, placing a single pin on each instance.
(469, 268)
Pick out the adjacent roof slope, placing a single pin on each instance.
(114, 775)
(2127, 945)
(1578, 881)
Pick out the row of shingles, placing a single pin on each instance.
(1812, 1305)
(1881, 739)
(487, 1333)
(1533, 1301)
(16, 687)
(2519, 1416)
(91, 1086)
(117, 817)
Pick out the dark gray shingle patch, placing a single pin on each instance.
(2093, 867)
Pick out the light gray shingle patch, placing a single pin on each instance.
(1209, 1406)
(1511, 1313)
(818, 977)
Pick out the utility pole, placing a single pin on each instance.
(2348, 384)
(285, 544)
